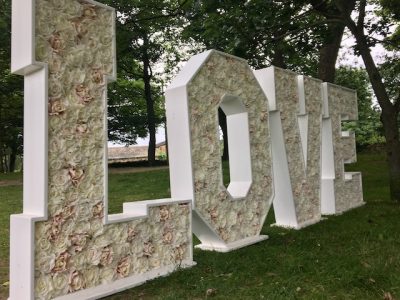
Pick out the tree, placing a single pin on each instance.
(127, 108)
(11, 99)
(144, 27)
(127, 114)
(364, 31)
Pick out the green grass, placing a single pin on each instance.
(11, 176)
(352, 256)
(137, 186)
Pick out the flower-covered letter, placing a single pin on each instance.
(65, 244)
(295, 105)
(340, 190)
(223, 218)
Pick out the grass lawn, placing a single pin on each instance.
(352, 256)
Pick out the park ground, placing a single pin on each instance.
(352, 256)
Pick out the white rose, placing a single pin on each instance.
(56, 124)
(122, 249)
(231, 218)
(42, 50)
(106, 275)
(141, 266)
(154, 261)
(55, 86)
(60, 283)
(44, 287)
(103, 240)
(60, 179)
(92, 276)
(61, 244)
(44, 263)
(84, 212)
(42, 243)
(117, 232)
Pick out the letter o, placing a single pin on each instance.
(223, 219)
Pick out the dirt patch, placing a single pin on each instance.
(10, 182)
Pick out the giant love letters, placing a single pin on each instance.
(285, 147)
(65, 244)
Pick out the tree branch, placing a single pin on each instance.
(361, 15)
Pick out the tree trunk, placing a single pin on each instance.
(330, 49)
(13, 158)
(224, 128)
(329, 52)
(1, 159)
(390, 111)
(278, 59)
(151, 153)
(391, 131)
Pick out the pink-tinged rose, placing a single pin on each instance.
(56, 107)
(164, 213)
(76, 281)
(81, 127)
(148, 249)
(80, 28)
(123, 267)
(97, 75)
(132, 233)
(61, 262)
(213, 214)
(76, 175)
(223, 233)
(179, 252)
(167, 237)
(69, 211)
(98, 210)
(106, 256)
(56, 42)
(83, 94)
(89, 11)
(78, 241)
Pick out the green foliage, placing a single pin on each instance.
(368, 129)
(390, 71)
(263, 32)
(145, 35)
(11, 100)
(127, 118)
(389, 11)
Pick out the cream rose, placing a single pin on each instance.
(44, 287)
(92, 276)
(44, 263)
(60, 283)
(106, 275)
